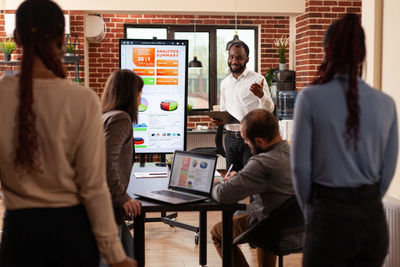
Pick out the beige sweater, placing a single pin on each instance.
(72, 156)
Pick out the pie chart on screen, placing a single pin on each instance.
(169, 105)
(203, 165)
(143, 104)
(138, 140)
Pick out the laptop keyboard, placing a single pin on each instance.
(176, 195)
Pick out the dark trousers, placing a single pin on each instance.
(264, 258)
(126, 240)
(345, 227)
(48, 237)
(237, 152)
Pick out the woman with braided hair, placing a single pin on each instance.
(344, 155)
(52, 156)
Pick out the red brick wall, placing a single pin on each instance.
(2, 23)
(77, 24)
(76, 28)
(103, 57)
(310, 29)
(194, 121)
(17, 53)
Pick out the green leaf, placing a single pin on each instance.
(7, 46)
(270, 76)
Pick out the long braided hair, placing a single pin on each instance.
(39, 26)
(344, 45)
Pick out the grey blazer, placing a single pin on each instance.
(120, 155)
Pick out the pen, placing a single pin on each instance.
(229, 170)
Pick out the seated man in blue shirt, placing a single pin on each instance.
(266, 177)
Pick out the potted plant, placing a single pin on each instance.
(269, 77)
(189, 107)
(77, 80)
(70, 50)
(281, 44)
(169, 161)
(7, 47)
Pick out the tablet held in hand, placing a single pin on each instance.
(223, 116)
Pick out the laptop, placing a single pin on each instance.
(191, 179)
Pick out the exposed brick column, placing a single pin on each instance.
(2, 24)
(2, 35)
(17, 54)
(77, 23)
(76, 27)
(310, 29)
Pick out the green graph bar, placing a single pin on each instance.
(149, 81)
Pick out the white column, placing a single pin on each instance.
(372, 11)
(390, 67)
(292, 42)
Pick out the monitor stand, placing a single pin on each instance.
(162, 162)
(142, 160)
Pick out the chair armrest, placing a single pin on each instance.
(284, 220)
(242, 238)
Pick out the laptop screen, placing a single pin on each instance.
(193, 172)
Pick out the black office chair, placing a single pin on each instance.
(219, 146)
(281, 233)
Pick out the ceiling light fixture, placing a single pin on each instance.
(236, 35)
(195, 63)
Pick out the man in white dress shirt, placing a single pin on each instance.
(241, 92)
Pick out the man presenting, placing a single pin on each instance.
(266, 177)
(241, 92)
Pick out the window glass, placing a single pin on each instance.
(146, 33)
(198, 78)
(203, 93)
(223, 37)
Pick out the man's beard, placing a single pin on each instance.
(255, 149)
(238, 70)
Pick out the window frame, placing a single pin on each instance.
(212, 31)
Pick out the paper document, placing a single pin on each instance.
(217, 175)
(151, 174)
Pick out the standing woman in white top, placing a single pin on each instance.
(344, 155)
(52, 156)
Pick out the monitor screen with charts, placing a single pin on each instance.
(162, 64)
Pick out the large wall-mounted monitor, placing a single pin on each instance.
(162, 64)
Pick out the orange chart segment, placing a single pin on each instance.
(143, 57)
(184, 171)
(144, 72)
(167, 81)
(167, 72)
(167, 63)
